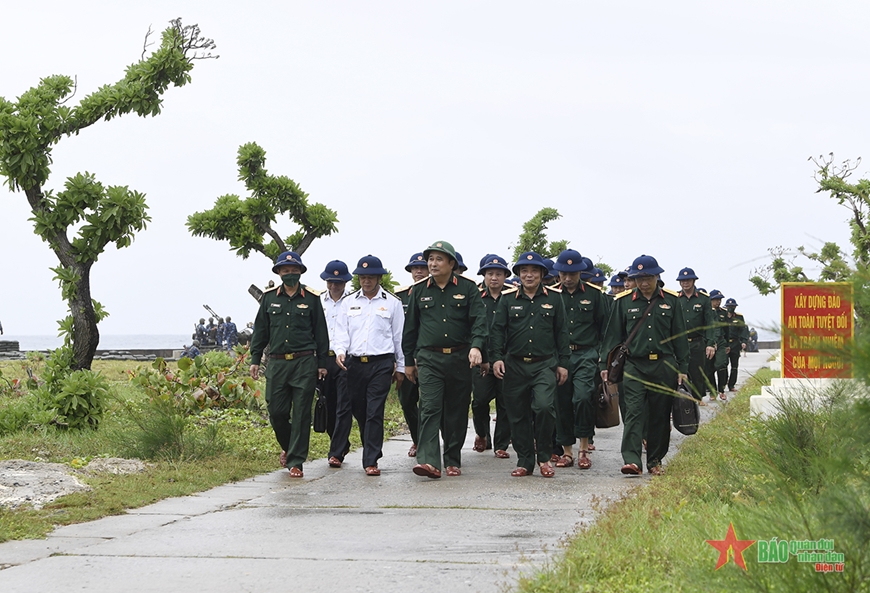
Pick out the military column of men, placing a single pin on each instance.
(535, 348)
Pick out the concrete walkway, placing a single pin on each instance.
(337, 530)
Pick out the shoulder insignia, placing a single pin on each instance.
(313, 291)
(466, 278)
(624, 293)
(598, 288)
(401, 289)
(671, 292)
(704, 293)
(419, 281)
(556, 285)
(554, 289)
(270, 289)
(510, 290)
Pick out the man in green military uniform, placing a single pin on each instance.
(445, 329)
(530, 347)
(700, 330)
(486, 386)
(291, 322)
(715, 367)
(738, 337)
(658, 360)
(585, 315)
(409, 393)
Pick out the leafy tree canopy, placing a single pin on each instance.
(249, 224)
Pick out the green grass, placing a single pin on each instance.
(248, 449)
(780, 479)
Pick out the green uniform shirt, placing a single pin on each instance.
(654, 337)
(700, 319)
(532, 327)
(585, 315)
(490, 303)
(738, 331)
(290, 324)
(444, 317)
(721, 317)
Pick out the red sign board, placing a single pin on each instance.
(817, 325)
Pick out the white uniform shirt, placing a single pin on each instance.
(331, 310)
(369, 327)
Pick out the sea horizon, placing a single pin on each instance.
(107, 341)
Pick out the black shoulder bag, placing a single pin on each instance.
(616, 357)
(321, 418)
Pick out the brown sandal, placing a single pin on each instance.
(565, 461)
(373, 470)
(547, 470)
(502, 454)
(520, 472)
(295, 472)
(453, 471)
(583, 462)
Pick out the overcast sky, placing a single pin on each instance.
(675, 129)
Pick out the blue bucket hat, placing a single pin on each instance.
(460, 265)
(597, 276)
(687, 274)
(370, 266)
(616, 280)
(416, 260)
(645, 265)
(550, 273)
(569, 260)
(716, 294)
(530, 258)
(493, 262)
(289, 258)
(730, 303)
(588, 271)
(336, 271)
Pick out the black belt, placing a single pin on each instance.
(292, 355)
(575, 347)
(374, 358)
(530, 359)
(695, 338)
(449, 350)
(650, 356)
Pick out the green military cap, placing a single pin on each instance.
(443, 247)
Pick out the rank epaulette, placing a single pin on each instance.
(313, 291)
(265, 290)
(510, 290)
(624, 293)
(410, 286)
(595, 286)
(704, 293)
(670, 292)
(556, 285)
(554, 289)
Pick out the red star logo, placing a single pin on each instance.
(731, 543)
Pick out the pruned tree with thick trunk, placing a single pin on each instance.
(80, 221)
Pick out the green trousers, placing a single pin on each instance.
(530, 388)
(576, 398)
(697, 377)
(409, 399)
(445, 396)
(289, 393)
(646, 390)
(486, 389)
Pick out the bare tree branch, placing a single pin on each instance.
(75, 88)
(145, 44)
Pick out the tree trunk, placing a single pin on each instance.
(86, 336)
